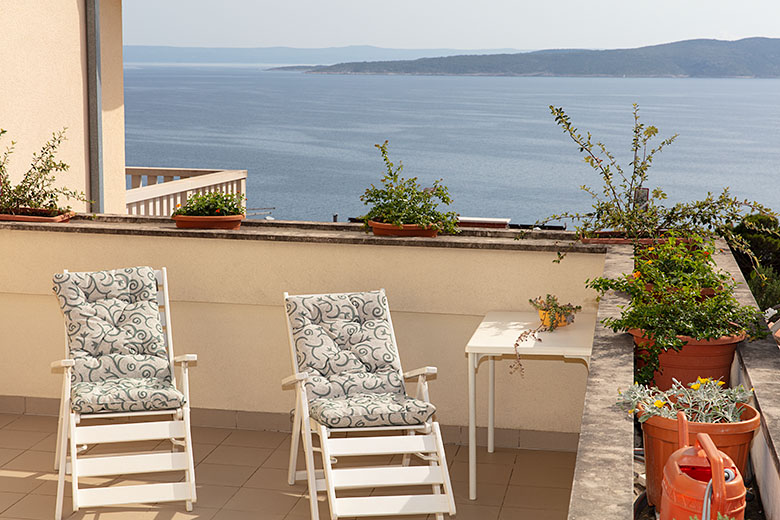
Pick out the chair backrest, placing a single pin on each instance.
(117, 323)
(345, 342)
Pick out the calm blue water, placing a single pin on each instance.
(307, 140)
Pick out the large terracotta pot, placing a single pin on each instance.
(64, 217)
(697, 358)
(660, 439)
(406, 230)
(198, 222)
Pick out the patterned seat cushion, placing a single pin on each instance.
(346, 345)
(116, 338)
(124, 394)
(361, 410)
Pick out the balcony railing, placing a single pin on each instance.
(157, 191)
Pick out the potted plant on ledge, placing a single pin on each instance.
(213, 210)
(711, 408)
(680, 330)
(34, 198)
(401, 207)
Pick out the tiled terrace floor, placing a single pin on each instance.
(241, 475)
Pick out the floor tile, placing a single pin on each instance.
(108, 448)
(36, 507)
(32, 461)
(472, 512)
(487, 494)
(214, 496)
(7, 455)
(177, 512)
(532, 497)
(499, 456)
(544, 476)
(47, 444)
(201, 434)
(8, 499)
(513, 513)
(262, 501)
(34, 423)
(6, 418)
(302, 511)
(19, 439)
(19, 481)
(255, 439)
(539, 458)
(226, 514)
(486, 473)
(201, 451)
(222, 474)
(238, 456)
(272, 478)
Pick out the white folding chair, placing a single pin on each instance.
(347, 378)
(119, 365)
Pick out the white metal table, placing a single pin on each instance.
(495, 337)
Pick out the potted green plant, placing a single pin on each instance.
(552, 313)
(626, 210)
(679, 333)
(35, 198)
(214, 210)
(711, 408)
(401, 207)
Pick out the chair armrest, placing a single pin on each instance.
(63, 363)
(294, 379)
(185, 358)
(423, 371)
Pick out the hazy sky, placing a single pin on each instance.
(475, 24)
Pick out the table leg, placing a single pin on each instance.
(472, 426)
(491, 404)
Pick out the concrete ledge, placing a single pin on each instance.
(603, 476)
(317, 232)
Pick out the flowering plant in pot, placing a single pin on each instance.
(679, 333)
(401, 207)
(552, 313)
(213, 210)
(35, 198)
(711, 408)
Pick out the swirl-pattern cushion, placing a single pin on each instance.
(345, 343)
(363, 410)
(116, 340)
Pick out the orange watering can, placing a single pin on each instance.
(700, 481)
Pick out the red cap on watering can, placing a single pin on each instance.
(687, 476)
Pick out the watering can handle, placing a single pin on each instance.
(718, 478)
(682, 430)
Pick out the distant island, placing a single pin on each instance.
(284, 55)
(746, 58)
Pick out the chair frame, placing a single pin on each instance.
(73, 437)
(322, 480)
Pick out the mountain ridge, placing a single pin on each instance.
(756, 57)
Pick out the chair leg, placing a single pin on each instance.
(296, 430)
(407, 457)
(189, 474)
(64, 409)
(61, 463)
(311, 471)
(74, 449)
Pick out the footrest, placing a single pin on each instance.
(386, 476)
(393, 445)
(109, 496)
(397, 505)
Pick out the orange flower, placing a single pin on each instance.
(637, 274)
(216, 211)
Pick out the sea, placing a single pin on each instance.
(307, 140)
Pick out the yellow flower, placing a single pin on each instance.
(696, 386)
(651, 249)
(649, 262)
(702, 380)
(752, 388)
(631, 411)
(721, 383)
(658, 404)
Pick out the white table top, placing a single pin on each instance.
(499, 330)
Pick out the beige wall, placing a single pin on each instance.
(227, 308)
(43, 88)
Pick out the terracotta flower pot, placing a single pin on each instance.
(406, 230)
(64, 217)
(200, 222)
(697, 358)
(660, 439)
